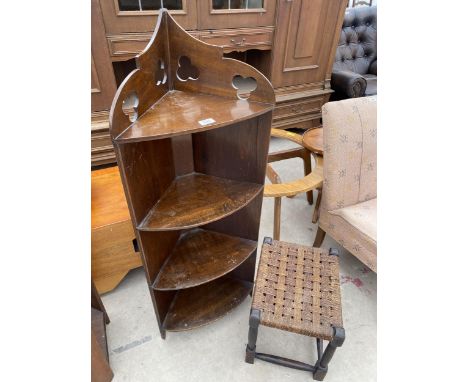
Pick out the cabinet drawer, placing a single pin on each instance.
(127, 45)
(296, 108)
(239, 39)
(102, 150)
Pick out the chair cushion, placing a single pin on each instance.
(350, 237)
(349, 152)
(362, 216)
(371, 88)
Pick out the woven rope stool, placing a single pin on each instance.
(297, 290)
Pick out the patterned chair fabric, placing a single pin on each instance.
(349, 203)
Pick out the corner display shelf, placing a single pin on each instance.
(191, 131)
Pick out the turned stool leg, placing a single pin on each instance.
(254, 322)
(316, 214)
(322, 363)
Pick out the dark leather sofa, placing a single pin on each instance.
(355, 69)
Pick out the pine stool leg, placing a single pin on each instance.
(277, 219)
(321, 366)
(254, 322)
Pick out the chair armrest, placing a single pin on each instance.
(373, 67)
(350, 84)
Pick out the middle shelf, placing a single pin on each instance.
(201, 256)
(196, 199)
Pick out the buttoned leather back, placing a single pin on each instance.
(357, 47)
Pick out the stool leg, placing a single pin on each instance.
(307, 171)
(319, 237)
(322, 363)
(316, 214)
(277, 219)
(254, 322)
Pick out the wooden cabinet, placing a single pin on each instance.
(124, 16)
(239, 40)
(103, 85)
(112, 250)
(306, 36)
(305, 40)
(217, 14)
(292, 42)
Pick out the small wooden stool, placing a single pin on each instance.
(313, 179)
(312, 140)
(297, 290)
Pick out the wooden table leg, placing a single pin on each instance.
(277, 219)
(307, 171)
(316, 214)
(275, 179)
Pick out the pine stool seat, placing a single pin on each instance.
(298, 290)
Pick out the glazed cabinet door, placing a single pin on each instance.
(223, 14)
(306, 36)
(131, 16)
(103, 86)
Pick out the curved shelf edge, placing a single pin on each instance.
(201, 256)
(197, 199)
(168, 117)
(202, 305)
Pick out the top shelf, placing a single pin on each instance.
(178, 113)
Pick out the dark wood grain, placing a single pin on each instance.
(100, 369)
(201, 256)
(98, 327)
(96, 302)
(182, 151)
(244, 223)
(214, 81)
(195, 307)
(179, 175)
(238, 151)
(197, 199)
(179, 113)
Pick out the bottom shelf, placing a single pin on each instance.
(198, 306)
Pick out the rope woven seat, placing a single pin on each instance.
(297, 289)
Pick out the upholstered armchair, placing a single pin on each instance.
(355, 69)
(348, 212)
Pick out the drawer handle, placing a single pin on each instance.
(297, 109)
(241, 42)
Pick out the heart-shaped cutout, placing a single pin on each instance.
(130, 106)
(186, 70)
(160, 75)
(244, 86)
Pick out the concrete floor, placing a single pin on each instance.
(216, 352)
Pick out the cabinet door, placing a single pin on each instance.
(221, 14)
(103, 85)
(140, 15)
(305, 42)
